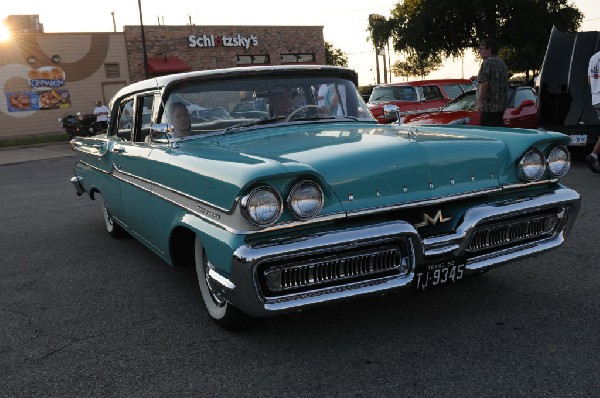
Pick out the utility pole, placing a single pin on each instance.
(146, 75)
(114, 23)
(376, 20)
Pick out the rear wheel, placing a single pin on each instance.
(220, 310)
(112, 227)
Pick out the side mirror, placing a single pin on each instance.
(392, 112)
(162, 131)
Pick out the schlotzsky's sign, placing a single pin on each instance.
(222, 41)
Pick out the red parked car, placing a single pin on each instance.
(415, 97)
(521, 111)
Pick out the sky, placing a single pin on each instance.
(344, 22)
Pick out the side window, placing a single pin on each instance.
(407, 93)
(144, 117)
(125, 122)
(432, 93)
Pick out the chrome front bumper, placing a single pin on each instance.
(245, 286)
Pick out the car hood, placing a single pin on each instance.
(363, 165)
(437, 117)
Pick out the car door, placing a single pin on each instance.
(131, 167)
(97, 154)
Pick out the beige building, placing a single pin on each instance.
(45, 75)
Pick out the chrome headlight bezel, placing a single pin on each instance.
(292, 200)
(530, 168)
(249, 204)
(565, 159)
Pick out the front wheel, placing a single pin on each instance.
(112, 228)
(220, 310)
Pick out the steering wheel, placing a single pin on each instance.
(303, 107)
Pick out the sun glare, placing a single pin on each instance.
(4, 33)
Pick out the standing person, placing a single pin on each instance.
(101, 112)
(594, 80)
(492, 90)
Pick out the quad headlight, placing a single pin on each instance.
(559, 161)
(305, 199)
(532, 166)
(262, 206)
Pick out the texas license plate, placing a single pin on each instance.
(439, 274)
(578, 140)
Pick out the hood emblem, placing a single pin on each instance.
(427, 219)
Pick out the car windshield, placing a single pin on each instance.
(393, 93)
(224, 105)
(466, 102)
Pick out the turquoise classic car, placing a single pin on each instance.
(283, 192)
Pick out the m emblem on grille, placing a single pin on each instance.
(427, 219)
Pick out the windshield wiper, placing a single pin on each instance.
(254, 122)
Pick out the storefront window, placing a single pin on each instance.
(297, 58)
(253, 59)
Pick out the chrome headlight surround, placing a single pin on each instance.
(558, 162)
(305, 199)
(532, 165)
(262, 206)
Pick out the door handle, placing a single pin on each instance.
(118, 149)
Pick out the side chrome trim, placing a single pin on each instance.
(232, 220)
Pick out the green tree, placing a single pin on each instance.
(447, 28)
(335, 56)
(416, 65)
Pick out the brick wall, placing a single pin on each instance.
(174, 41)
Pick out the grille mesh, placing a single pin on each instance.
(507, 233)
(329, 271)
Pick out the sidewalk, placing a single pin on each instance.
(37, 152)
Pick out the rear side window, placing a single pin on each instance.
(125, 121)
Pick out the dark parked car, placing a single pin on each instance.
(565, 101)
(415, 97)
(521, 111)
(299, 208)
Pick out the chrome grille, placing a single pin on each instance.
(507, 233)
(334, 270)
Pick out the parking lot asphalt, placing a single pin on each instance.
(12, 155)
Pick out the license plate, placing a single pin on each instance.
(578, 140)
(439, 274)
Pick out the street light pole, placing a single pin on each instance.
(143, 42)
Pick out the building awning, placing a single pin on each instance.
(164, 65)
